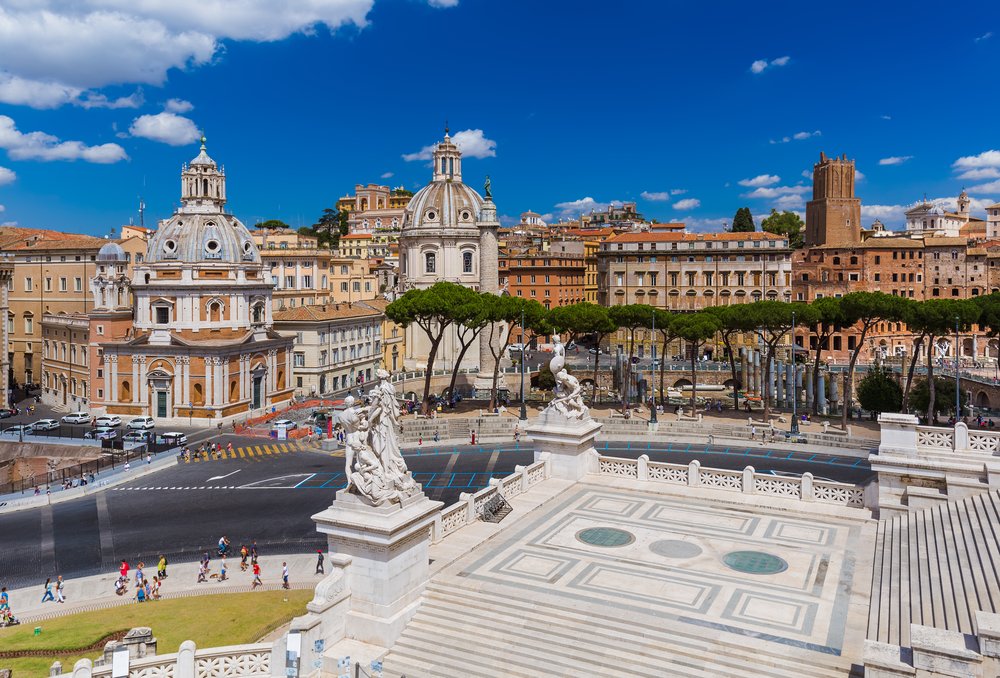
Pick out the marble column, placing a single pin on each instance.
(822, 393)
(209, 369)
(808, 375)
(779, 391)
(744, 370)
(835, 389)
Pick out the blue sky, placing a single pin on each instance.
(691, 109)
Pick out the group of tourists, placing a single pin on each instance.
(7, 617)
(207, 451)
(144, 588)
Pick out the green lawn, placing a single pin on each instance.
(210, 620)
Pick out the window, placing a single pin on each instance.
(62, 284)
(290, 282)
(29, 324)
(307, 281)
(28, 284)
(466, 262)
(299, 359)
(357, 286)
(48, 284)
(430, 262)
(78, 284)
(162, 315)
(343, 287)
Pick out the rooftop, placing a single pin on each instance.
(318, 313)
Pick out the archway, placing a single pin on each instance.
(681, 383)
(982, 400)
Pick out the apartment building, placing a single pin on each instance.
(298, 267)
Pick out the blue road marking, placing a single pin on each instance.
(305, 480)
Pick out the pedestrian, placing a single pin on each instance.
(253, 552)
(4, 599)
(123, 570)
(517, 434)
(284, 575)
(155, 592)
(473, 437)
(753, 433)
(138, 572)
(229, 448)
(48, 591)
(202, 572)
(127, 467)
(420, 440)
(222, 569)
(319, 562)
(161, 567)
(256, 577)
(149, 458)
(244, 554)
(140, 593)
(60, 597)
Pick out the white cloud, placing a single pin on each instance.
(707, 225)
(42, 146)
(96, 100)
(656, 196)
(984, 159)
(472, 142)
(772, 192)
(991, 187)
(574, 208)
(54, 51)
(884, 213)
(798, 136)
(386, 175)
(2, 208)
(443, 3)
(167, 128)
(760, 65)
(985, 36)
(6, 176)
(858, 175)
(178, 106)
(981, 173)
(687, 204)
(896, 214)
(678, 191)
(894, 160)
(785, 202)
(886, 117)
(760, 180)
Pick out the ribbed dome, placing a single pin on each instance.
(443, 204)
(112, 251)
(202, 238)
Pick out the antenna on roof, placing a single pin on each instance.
(142, 213)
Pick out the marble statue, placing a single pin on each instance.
(568, 400)
(374, 465)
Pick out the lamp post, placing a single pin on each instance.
(524, 410)
(652, 373)
(794, 428)
(958, 378)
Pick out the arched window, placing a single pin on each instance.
(198, 397)
(430, 262)
(204, 186)
(126, 392)
(258, 313)
(466, 262)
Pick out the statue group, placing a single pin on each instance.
(568, 400)
(374, 464)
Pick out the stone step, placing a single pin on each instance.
(541, 634)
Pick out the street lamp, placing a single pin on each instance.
(958, 379)
(524, 410)
(652, 374)
(794, 429)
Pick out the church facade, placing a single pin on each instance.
(449, 233)
(201, 347)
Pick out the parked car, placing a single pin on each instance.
(173, 438)
(138, 436)
(18, 430)
(516, 347)
(594, 351)
(46, 425)
(286, 424)
(6, 412)
(108, 420)
(320, 418)
(101, 433)
(142, 423)
(76, 418)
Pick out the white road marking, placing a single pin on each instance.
(225, 476)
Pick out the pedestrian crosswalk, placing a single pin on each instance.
(250, 452)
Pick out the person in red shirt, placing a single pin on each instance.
(123, 570)
(256, 577)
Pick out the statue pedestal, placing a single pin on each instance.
(569, 443)
(388, 567)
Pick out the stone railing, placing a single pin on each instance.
(466, 510)
(747, 481)
(233, 661)
(935, 438)
(936, 652)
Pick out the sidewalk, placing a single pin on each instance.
(104, 480)
(97, 592)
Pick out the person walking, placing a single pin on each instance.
(284, 575)
(202, 572)
(4, 599)
(48, 591)
(127, 467)
(253, 552)
(161, 567)
(123, 569)
(60, 596)
(473, 434)
(138, 572)
(222, 569)
(256, 577)
(244, 554)
(319, 562)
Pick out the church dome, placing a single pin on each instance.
(202, 238)
(445, 202)
(111, 251)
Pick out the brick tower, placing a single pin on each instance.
(833, 216)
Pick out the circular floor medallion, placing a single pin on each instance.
(605, 536)
(754, 562)
(675, 548)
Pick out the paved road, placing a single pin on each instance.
(269, 492)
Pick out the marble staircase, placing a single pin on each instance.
(467, 631)
(937, 568)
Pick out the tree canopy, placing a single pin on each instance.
(785, 223)
(743, 221)
(271, 224)
(879, 392)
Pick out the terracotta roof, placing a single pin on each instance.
(673, 236)
(589, 232)
(669, 226)
(945, 242)
(377, 304)
(324, 312)
(358, 236)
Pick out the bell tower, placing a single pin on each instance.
(203, 185)
(833, 216)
